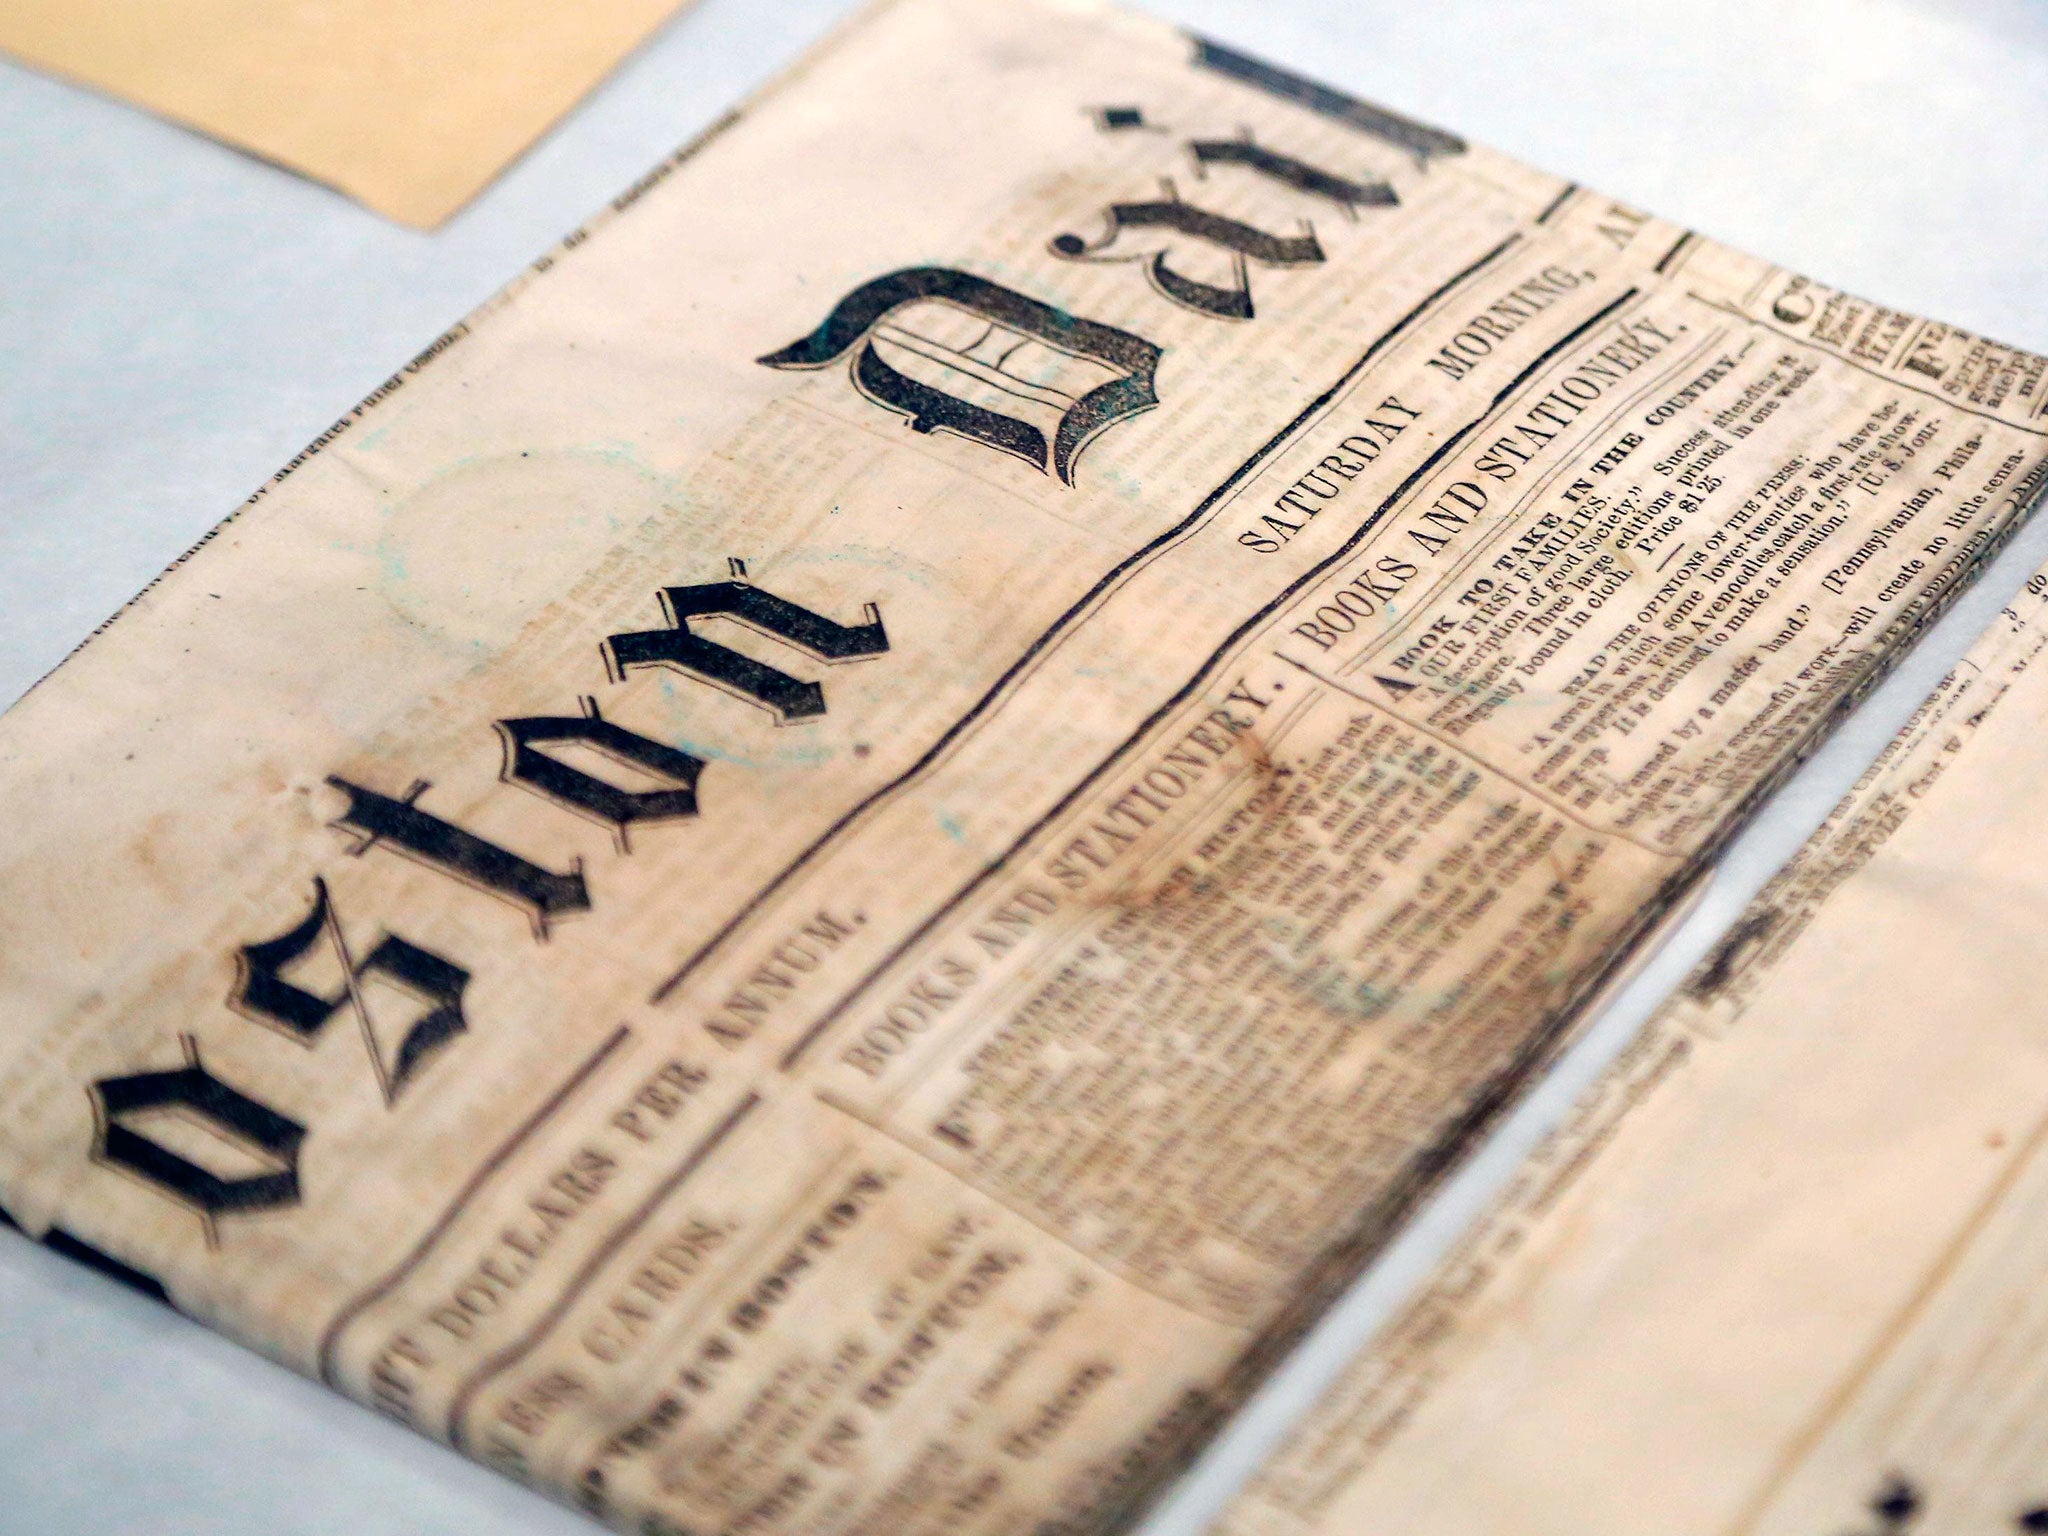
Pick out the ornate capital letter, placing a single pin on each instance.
(1028, 379)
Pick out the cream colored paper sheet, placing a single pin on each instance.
(1783, 1273)
(409, 106)
(826, 873)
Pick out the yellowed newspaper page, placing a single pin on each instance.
(830, 869)
(1784, 1271)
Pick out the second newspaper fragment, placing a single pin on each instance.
(1782, 1271)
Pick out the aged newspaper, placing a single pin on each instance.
(829, 870)
(1782, 1273)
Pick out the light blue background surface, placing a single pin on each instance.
(177, 320)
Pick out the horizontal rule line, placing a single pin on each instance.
(1202, 674)
(619, 1236)
(330, 1341)
(1066, 621)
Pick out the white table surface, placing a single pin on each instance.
(177, 319)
